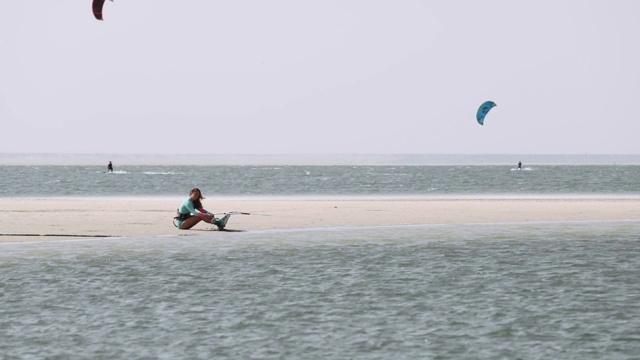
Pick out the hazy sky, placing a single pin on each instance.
(320, 77)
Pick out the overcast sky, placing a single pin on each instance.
(320, 77)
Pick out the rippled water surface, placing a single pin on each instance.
(545, 290)
(139, 180)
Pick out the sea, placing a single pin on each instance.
(539, 290)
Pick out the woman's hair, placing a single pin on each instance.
(199, 192)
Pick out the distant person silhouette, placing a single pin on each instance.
(110, 167)
(519, 165)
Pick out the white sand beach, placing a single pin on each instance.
(43, 219)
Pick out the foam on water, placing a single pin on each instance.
(534, 290)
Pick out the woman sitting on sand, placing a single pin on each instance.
(191, 212)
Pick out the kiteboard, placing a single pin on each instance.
(223, 221)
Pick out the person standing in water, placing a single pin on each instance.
(110, 167)
(519, 165)
(191, 212)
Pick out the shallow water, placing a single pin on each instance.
(535, 290)
(305, 180)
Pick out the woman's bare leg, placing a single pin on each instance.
(190, 222)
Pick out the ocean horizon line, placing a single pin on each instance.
(100, 159)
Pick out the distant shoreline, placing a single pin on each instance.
(23, 159)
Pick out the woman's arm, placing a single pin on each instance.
(192, 210)
(203, 210)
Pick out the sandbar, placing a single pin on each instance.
(44, 219)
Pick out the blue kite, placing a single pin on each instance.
(483, 110)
